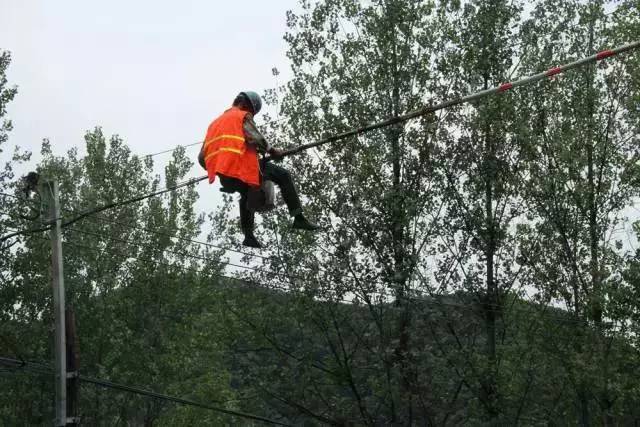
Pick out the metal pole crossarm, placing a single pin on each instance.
(457, 101)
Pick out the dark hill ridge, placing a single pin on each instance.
(339, 363)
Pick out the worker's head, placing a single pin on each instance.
(248, 101)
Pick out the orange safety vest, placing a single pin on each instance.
(225, 150)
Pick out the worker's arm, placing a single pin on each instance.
(252, 135)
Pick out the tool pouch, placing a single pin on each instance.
(263, 198)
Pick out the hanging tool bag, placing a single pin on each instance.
(263, 198)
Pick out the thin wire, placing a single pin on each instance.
(173, 149)
(11, 195)
(525, 81)
(367, 128)
(41, 368)
(423, 299)
(98, 209)
(418, 299)
(184, 239)
(197, 242)
(169, 150)
(18, 354)
(179, 267)
(184, 254)
(340, 99)
(142, 197)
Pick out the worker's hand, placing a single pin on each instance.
(276, 153)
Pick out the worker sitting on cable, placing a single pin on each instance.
(230, 151)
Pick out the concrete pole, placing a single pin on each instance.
(52, 197)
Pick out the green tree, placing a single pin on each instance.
(483, 193)
(581, 140)
(379, 196)
(140, 288)
(414, 304)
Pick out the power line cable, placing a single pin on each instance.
(466, 99)
(139, 391)
(183, 254)
(98, 209)
(183, 239)
(342, 98)
(179, 267)
(112, 205)
(173, 149)
(367, 128)
(433, 301)
(42, 369)
(170, 150)
(418, 299)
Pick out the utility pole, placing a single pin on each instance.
(73, 364)
(50, 192)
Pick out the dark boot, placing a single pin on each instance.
(302, 223)
(247, 219)
(251, 241)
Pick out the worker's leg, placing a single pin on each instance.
(247, 217)
(283, 179)
(247, 222)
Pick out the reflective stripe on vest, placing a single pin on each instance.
(231, 150)
(217, 138)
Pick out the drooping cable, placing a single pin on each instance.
(367, 128)
(91, 211)
(42, 369)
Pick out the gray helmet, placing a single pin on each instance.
(254, 99)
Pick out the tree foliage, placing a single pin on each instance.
(477, 266)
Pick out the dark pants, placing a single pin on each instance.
(271, 172)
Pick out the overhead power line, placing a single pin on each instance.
(98, 209)
(142, 392)
(430, 300)
(43, 369)
(170, 150)
(183, 239)
(367, 128)
(91, 211)
(182, 254)
(173, 149)
(344, 97)
(465, 99)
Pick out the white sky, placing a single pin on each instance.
(154, 72)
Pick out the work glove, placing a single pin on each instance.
(276, 154)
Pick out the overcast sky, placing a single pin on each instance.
(154, 72)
